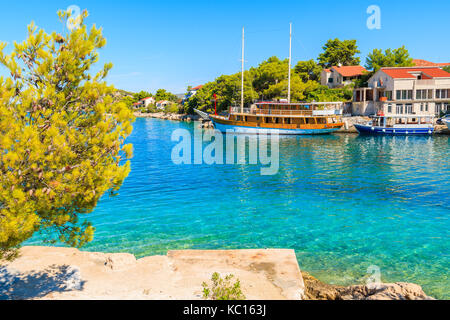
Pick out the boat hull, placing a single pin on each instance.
(367, 129)
(447, 122)
(231, 128)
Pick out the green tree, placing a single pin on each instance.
(269, 72)
(325, 94)
(337, 52)
(308, 70)
(447, 68)
(389, 58)
(228, 91)
(298, 89)
(62, 137)
(163, 94)
(141, 95)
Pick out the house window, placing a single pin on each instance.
(424, 94)
(330, 80)
(388, 95)
(408, 109)
(442, 93)
(426, 107)
(389, 108)
(421, 107)
(404, 94)
(399, 108)
(437, 108)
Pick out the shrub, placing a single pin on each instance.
(223, 288)
(171, 108)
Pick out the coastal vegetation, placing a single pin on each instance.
(62, 132)
(269, 80)
(378, 59)
(337, 52)
(266, 82)
(223, 288)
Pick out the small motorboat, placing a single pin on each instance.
(398, 125)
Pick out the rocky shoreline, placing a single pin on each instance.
(348, 121)
(54, 273)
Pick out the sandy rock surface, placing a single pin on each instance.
(65, 273)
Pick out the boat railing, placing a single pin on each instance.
(275, 112)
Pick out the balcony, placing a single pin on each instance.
(425, 83)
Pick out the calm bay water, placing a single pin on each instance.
(343, 202)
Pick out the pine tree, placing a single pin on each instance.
(62, 136)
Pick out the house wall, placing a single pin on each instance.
(429, 106)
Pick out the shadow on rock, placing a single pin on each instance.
(15, 285)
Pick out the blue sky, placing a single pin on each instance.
(173, 44)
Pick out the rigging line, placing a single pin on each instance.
(261, 31)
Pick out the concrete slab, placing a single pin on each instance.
(66, 273)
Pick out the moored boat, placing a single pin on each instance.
(398, 125)
(447, 122)
(282, 118)
(305, 118)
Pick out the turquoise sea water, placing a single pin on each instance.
(343, 202)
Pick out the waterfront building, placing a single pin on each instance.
(160, 105)
(340, 76)
(406, 90)
(192, 92)
(144, 102)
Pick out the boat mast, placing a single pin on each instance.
(290, 62)
(242, 75)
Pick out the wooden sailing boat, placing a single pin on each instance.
(280, 117)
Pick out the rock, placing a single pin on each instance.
(388, 291)
(119, 261)
(317, 290)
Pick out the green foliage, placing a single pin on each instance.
(162, 94)
(128, 101)
(151, 108)
(299, 89)
(62, 137)
(269, 73)
(266, 82)
(390, 58)
(337, 52)
(447, 68)
(172, 108)
(141, 95)
(308, 70)
(323, 93)
(228, 91)
(223, 288)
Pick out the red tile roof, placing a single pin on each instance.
(425, 63)
(327, 70)
(147, 98)
(350, 71)
(197, 87)
(405, 73)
